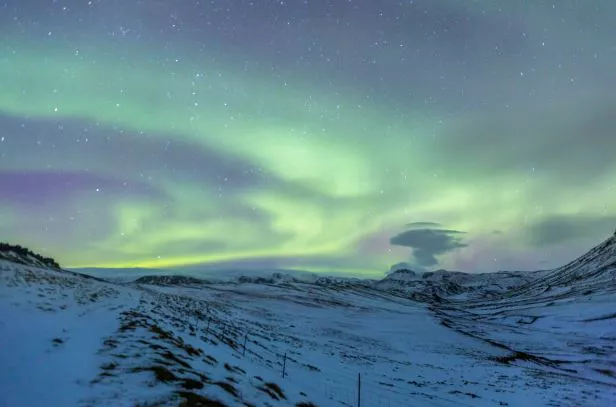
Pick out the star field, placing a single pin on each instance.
(323, 135)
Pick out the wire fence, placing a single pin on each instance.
(359, 388)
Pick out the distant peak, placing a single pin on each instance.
(401, 267)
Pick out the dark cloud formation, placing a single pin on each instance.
(556, 230)
(417, 225)
(429, 243)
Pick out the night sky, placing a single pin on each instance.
(336, 135)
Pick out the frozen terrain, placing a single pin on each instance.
(445, 339)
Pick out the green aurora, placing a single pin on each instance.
(133, 152)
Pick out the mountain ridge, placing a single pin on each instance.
(598, 266)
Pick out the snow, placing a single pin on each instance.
(48, 338)
(70, 340)
(405, 356)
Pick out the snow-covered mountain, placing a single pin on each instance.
(403, 281)
(593, 272)
(443, 283)
(421, 339)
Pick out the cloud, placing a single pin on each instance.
(429, 243)
(563, 228)
(423, 225)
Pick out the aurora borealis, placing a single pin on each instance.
(321, 135)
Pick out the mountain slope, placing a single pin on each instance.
(595, 271)
(564, 321)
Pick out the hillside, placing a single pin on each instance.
(117, 344)
(563, 320)
(22, 255)
(593, 272)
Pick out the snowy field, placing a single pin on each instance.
(68, 340)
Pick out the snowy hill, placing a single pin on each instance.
(592, 272)
(563, 320)
(286, 341)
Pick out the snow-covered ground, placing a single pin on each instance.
(442, 339)
(406, 356)
(68, 340)
(51, 329)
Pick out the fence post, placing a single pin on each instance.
(358, 389)
(284, 364)
(245, 339)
